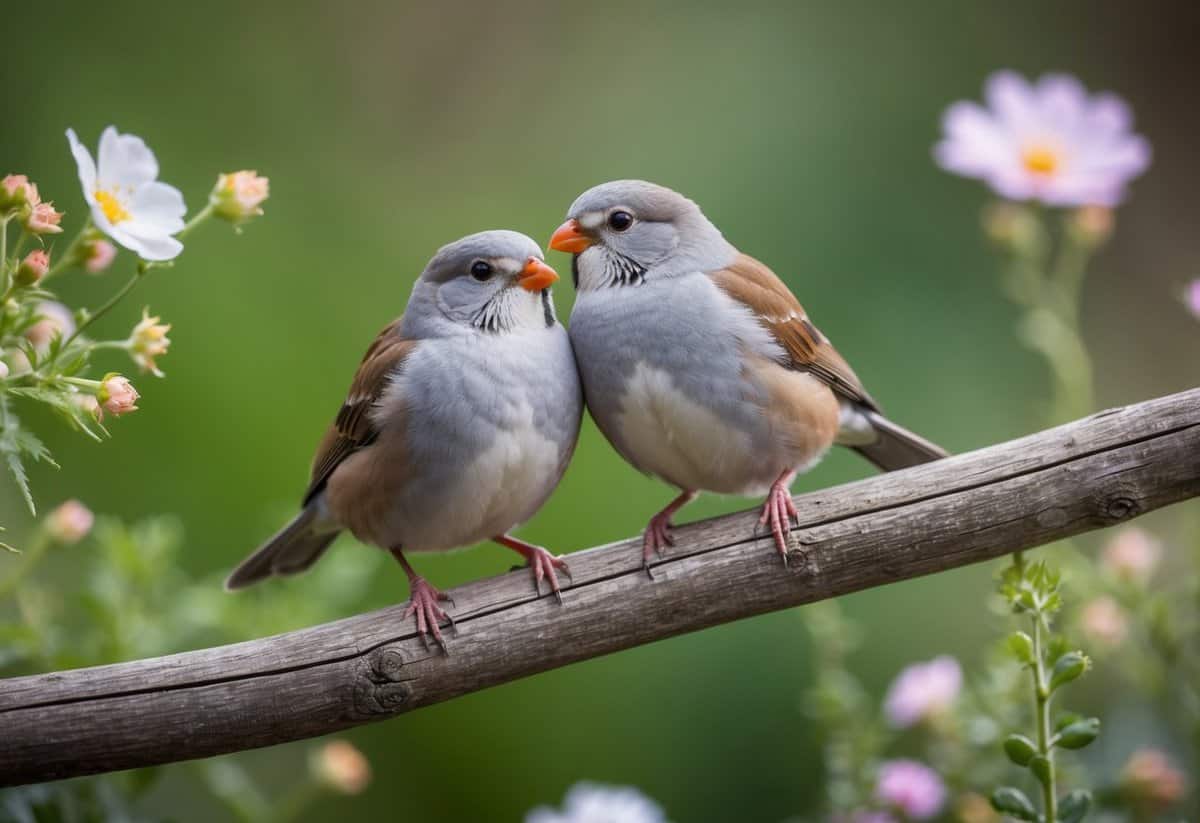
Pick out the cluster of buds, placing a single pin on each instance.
(19, 196)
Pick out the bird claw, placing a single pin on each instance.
(779, 513)
(655, 539)
(423, 604)
(544, 564)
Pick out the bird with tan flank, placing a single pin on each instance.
(457, 427)
(699, 365)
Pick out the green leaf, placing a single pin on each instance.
(1021, 647)
(1074, 805)
(1019, 748)
(1079, 734)
(1042, 769)
(1068, 668)
(15, 442)
(1013, 802)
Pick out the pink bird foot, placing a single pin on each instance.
(779, 512)
(542, 562)
(658, 531)
(423, 603)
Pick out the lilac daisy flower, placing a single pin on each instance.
(911, 787)
(1050, 141)
(922, 691)
(594, 803)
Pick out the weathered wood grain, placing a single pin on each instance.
(1096, 472)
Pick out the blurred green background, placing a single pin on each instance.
(388, 129)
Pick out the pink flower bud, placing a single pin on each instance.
(341, 767)
(148, 341)
(53, 319)
(1132, 555)
(1150, 782)
(34, 267)
(117, 395)
(70, 522)
(1104, 621)
(97, 255)
(16, 190)
(43, 219)
(238, 196)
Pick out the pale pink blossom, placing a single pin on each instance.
(34, 267)
(70, 522)
(911, 787)
(117, 395)
(98, 256)
(1191, 298)
(43, 219)
(342, 767)
(238, 196)
(593, 803)
(1151, 782)
(1050, 141)
(1104, 621)
(16, 190)
(923, 691)
(148, 341)
(1132, 554)
(53, 319)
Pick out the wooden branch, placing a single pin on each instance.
(1102, 470)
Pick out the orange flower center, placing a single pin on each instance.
(113, 209)
(1041, 160)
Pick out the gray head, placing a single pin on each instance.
(494, 281)
(628, 232)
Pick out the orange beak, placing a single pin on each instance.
(569, 237)
(536, 275)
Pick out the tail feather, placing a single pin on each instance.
(895, 447)
(293, 549)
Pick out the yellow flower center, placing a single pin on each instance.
(1041, 160)
(112, 207)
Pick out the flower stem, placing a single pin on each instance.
(25, 564)
(107, 307)
(199, 218)
(67, 258)
(1041, 694)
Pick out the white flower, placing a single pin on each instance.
(128, 203)
(593, 803)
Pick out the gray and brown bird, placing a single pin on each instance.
(458, 425)
(700, 366)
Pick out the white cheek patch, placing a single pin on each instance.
(591, 220)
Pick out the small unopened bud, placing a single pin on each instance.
(97, 255)
(148, 341)
(34, 267)
(70, 522)
(1080, 733)
(16, 191)
(43, 219)
(1092, 224)
(1104, 621)
(238, 196)
(1067, 668)
(117, 395)
(1010, 226)
(1132, 555)
(340, 766)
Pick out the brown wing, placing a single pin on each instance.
(353, 428)
(759, 289)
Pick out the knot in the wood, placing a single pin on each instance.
(1121, 507)
(380, 688)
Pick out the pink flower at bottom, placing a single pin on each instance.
(911, 787)
(98, 256)
(1132, 554)
(1104, 621)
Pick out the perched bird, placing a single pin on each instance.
(458, 425)
(699, 365)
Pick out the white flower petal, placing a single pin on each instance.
(159, 205)
(152, 244)
(85, 164)
(1062, 100)
(1012, 98)
(124, 161)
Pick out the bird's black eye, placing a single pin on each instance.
(481, 270)
(620, 220)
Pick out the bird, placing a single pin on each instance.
(699, 365)
(458, 425)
